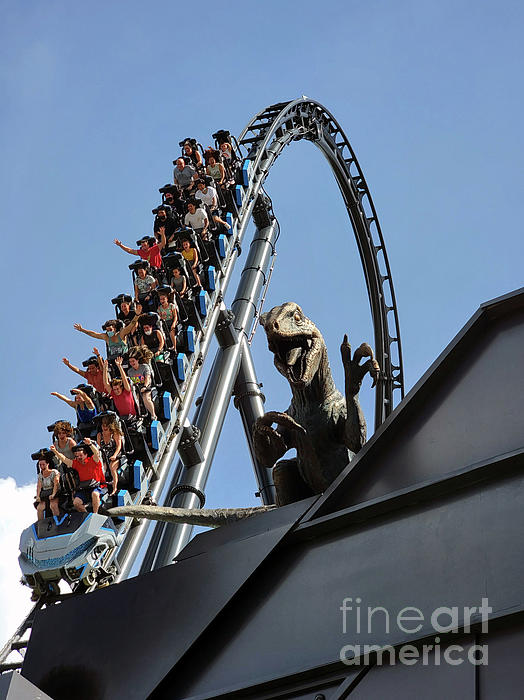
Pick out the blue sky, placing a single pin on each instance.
(96, 98)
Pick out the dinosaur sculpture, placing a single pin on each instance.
(326, 429)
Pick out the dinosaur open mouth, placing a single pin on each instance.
(292, 355)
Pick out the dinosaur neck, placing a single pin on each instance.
(320, 387)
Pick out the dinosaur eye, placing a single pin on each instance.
(298, 317)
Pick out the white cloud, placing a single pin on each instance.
(17, 512)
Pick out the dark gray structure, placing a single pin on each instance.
(429, 515)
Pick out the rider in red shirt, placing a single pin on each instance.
(89, 469)
(151, 253)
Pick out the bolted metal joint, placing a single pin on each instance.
(225, 331)
(238, 397)
(189, 447)
(263, 212)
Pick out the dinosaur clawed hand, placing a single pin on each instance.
(353, 367)
(374, 371)
(268, 443)
(371, 366)
(282, 419)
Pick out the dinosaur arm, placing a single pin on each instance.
(354, 427)
(354, 433)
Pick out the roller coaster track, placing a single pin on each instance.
(263, 139)
(266, 135)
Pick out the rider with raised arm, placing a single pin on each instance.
(93, 373)
(115, 339)
(151, 253)
(90, 472)
(83, 404)
(120, 391)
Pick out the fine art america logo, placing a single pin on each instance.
(411, 620)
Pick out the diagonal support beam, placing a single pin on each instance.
(210, 415)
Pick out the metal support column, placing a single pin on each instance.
(250, 402)
(210, 415)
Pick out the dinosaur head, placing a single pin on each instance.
(295, 341)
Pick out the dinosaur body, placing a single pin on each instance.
(326, 428)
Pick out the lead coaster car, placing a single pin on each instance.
(77, 547)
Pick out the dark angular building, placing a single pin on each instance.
(416, 547)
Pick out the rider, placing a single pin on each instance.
(140, 375)
(93, 374)
(83, 404)
(120, 391)
(114, 336)
(109, 440)
(47, 486)
(90, 472)
(151, 253)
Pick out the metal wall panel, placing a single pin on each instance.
(434, 681)
(503, 677)
(450, 553)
